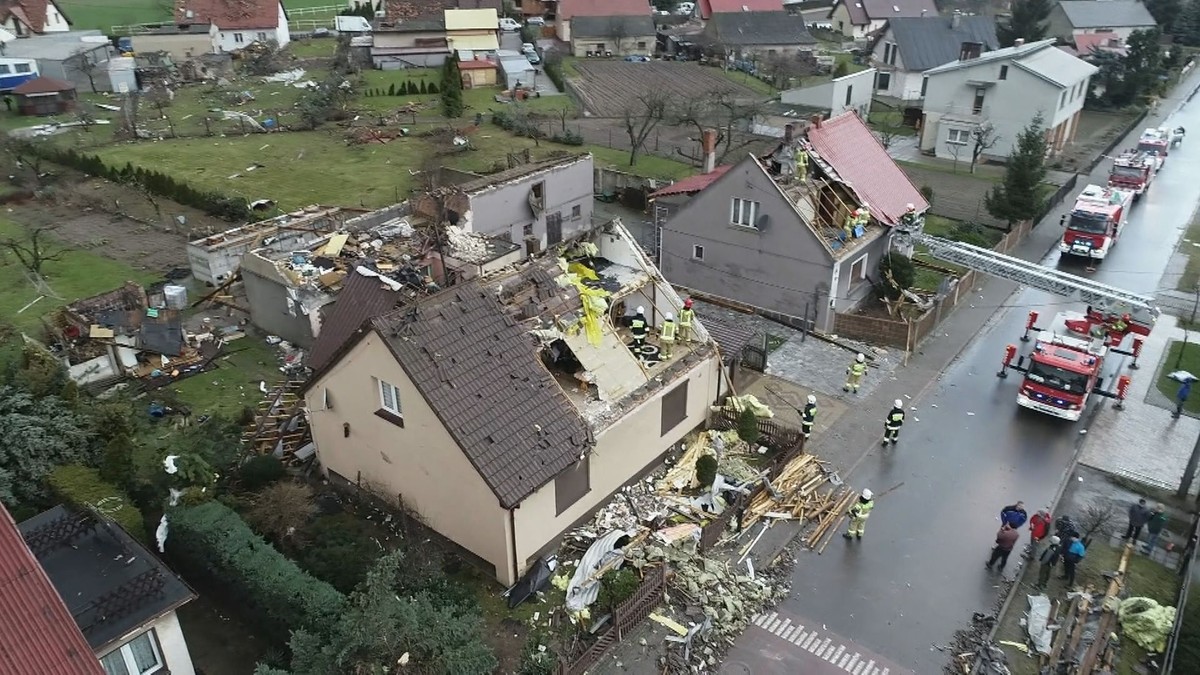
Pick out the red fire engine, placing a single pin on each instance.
(1134, 170)
(1156, 140)
(1096, 221)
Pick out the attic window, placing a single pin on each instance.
(537, 199)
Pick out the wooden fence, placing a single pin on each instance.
(775, 435)
(625, 617)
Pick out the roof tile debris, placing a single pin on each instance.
(692, 184)
(40, 635)
(229, 14)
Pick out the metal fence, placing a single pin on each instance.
(625, 617)
(1186, 567)
(1056, 199)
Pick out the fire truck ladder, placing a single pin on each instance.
(1100, 297)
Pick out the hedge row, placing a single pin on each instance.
(529, 128)
(406, 88)
(83, 488)
(212, 541)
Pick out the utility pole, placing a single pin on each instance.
(1189, 473)
(1187, 330)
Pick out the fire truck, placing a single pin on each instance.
(1065, 368)
(1134, 170)
(1156, 141)
(1095, 222)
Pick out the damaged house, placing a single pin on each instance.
(508, 408)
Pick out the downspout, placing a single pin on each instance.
(512, 541)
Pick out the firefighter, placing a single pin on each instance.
(686, 315)
(851, 220)
(854, 373)
(1121, 324)
(666, 335)
(909, 219)
(893, 422)
(639, 329)
(802, 166)
(859, 512)
(808, 416)
(864, 215)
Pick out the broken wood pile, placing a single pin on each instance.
(807, 490)
(1082, 639)
(279, 426)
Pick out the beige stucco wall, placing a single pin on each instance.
(621, 452)
(180, 47)
(420, 463)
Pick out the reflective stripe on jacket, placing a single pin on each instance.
(895, 419)
(638, 326)
(667, 332)
(861, 510)
(810, 413)
(857, 368)
(685, 317)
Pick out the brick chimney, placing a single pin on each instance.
(816, 120)
(708, 145)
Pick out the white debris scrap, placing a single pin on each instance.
(161, 534)
(286, 77)
(169, 464)
(465, 244)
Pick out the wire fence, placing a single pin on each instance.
(1186, 567)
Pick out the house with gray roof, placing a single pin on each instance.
(615, 35)
(507, 408)
(909, 46)
(759, 34)
(1001, 91)
(1079, 17)
(860, 19)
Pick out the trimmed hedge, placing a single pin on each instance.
(212, 541)
(82, 487)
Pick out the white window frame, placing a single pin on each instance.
(22, 68)
(697, 251)
(126, 654)
(396, 408)
(963, 134)
(863, 275)
(743, 212)
(238, 38)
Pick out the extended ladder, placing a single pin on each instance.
(1102, 297)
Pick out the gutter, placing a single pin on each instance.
(512, 541)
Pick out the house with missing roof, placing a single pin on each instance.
(506, 409)
(1003, 89)
(568, 10)
(121, 596)
(1080, 17)
(759, 236)
(859, 19)
(909, 46)
(234, 25)
(762, 35)
(612, 35)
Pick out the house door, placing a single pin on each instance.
(553, 228)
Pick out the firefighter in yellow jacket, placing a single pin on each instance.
(686, 316)
(859, 512)
(666, 335)
(854, 373)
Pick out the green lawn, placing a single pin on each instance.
(313, 47)
(1190, 363)
(80, 274)
(886, 119)
(1189, 246)
(749, 81)
(103, 15)
(234, 383)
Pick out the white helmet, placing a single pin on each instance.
(860, 358)
(641, 310)
(812, 399)
(898, 403)
(867, 494)
(670, 316)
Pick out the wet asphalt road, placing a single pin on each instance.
(918, 574)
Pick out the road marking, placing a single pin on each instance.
(849, 667)
(870, 666)
(859, 668)
(838, 655)
(799, 638)
(783, 627)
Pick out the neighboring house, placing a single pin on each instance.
(849, 92)
(239, 23)
(1078, 17)
(760, 34)
(860, 18)
(23, 18)
(758, 236)
(505, 410)
(412, 43)
(615, 35)
(396, 11)
(181, 42)
(569, 9)
(123, 598)
(475, 30)
(707, 8)
(547, 9)
(910, 46)
(44, 96)
(1003, 90)
(14, 72)
(67, 56)
(1088, 45)
(666, 201)
(40, 635)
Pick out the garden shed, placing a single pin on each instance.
(45, 96)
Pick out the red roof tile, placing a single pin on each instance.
(710, 7)
(43, 85)
(32, 13)
(476, 64)
(229, 14)
(692, 183)
(570, 8)
(39, 634)
(1103, 42)
(848, 145)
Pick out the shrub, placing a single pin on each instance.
(259, 471)
(617, 587)
(747, 426)
(706, 470)
(842, 69)
(553, 70)
(902, 274)
(423, 89)
(211, 541)
(392, 89)
(340, 551)
(82, 487)
(280, 507)
(927, 193)
(433, 88)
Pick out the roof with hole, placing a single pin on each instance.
(864, 11)
(929, 42)
(229, 14)
(848, 145)
(1107, 14)
(43, 85)
(361, 299)
(479, 370)
(39, 635)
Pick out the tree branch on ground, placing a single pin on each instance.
(35, 249)
(641, 117)
(983, 137)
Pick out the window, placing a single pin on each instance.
(571, 485)
(849, 93)
(697, 252)
(743, 212)
(237, 37)
(527, 230)
(883, 81)
(576, 212)
(1062, 100)
(924, 85)
(21, 68)
(858, 270)
(641, 46)
(599, 47)
(959, 137)
(3, 69)
(674, 408)
(389, 403)
(1004, 72)
(890, 57)
(977, 106)
(136, 657)
(262, 37)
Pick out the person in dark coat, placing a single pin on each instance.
(1139, 515)
(1006, 539)
(1049, 557)
(1014, 515)
(1155, 526)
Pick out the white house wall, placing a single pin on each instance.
(171, 644)
(55, 21)
(858, 88)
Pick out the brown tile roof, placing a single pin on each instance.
(400, 10)
(40, 635)
(229, 14)
(32, 13)
(570, 8)
(479, 370)
(362, 298)
(43, 85)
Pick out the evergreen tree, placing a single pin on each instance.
(747, 426)
(1187, 23)
(422, 89)
(392, 89)
(452, 103)
(1166, 13)
(1028, 21)
(1016, 198)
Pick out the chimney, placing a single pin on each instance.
(956, 19)
(816, 120)
(970, 50)
(1019, 42)
(708, 145)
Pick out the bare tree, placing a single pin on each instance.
(160, 97)
(983, 137)
(281, 509)
(35, 249)
(1095, 518)
(86, 67)
(86, 120)
(723, 112)
(887, 129)
(781, 69)
(25, 156)
(955, 149)
(617, 30)
(644, 113)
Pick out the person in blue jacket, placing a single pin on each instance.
(1074, 555)
(1014, 515)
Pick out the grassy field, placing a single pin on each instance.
(80, 274)
(749, 81)
(1190, 363)
(104, 14)
(234, 384)
(881, 118)
(1189, 246)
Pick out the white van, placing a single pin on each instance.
(508, 25)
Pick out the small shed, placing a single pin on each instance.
(45, 96)
(477, 73)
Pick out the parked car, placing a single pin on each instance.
(638, 58)
(533, 58)
(321, 32)
(528, 48)
(535, 21)
(509, 25)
